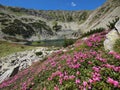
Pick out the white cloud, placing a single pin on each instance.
(73, 4)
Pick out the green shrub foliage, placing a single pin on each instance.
(38, 53)
(68, 42)
(18, 28)
(26, 30)
(97, 30)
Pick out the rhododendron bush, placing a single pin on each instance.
(86, 66)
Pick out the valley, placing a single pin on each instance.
(60, 49)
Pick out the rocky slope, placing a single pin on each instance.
(34, 25)
(12, 64)
(24, 24)
(101, 16)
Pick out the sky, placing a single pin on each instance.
(55, 4)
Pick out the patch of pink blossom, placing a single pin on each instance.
(112, 81)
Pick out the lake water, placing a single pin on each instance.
(47, 43)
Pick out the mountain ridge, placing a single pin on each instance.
(69, 24)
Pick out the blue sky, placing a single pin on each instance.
(55, 4)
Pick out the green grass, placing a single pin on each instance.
(116, 47)
(7, 48)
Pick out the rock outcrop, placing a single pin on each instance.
(8, 73)
(11, 64)
(112, 36)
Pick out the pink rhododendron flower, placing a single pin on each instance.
(93, 53)
(71, 77)
(89, 87)
(76, 66)
(60, 80)
(96, 78)
(66, 77)
(89, 44)
(77, 81)
(90, 80)
(89, 62)
(77, 73)
(111, 81)
(117, 56)
(56, 88)
(112, 53)
(96, 69)
(116, 83)
(117, 69)
(49, 78)
(44, 88)
(84, 83)
(82, 61)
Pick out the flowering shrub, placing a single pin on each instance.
(87, 67)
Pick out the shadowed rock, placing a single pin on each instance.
(15, 71)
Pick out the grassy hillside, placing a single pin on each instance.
(83, 66)
(9, 48)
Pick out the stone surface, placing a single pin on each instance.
(117, 26)
(7, 73)
(111, 37)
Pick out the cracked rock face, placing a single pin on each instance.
(111, 37)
